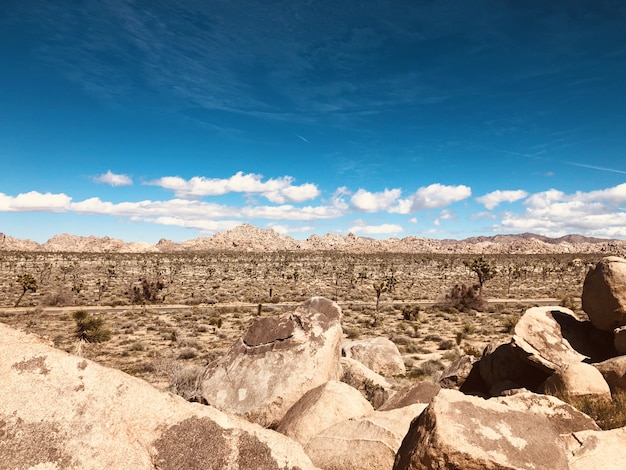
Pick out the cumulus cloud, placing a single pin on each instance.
(114, 179)
(365, 201)
(555, 213)
(435, 196)
(493, 199)
(277, 190)
(383, 229)
(34, 201)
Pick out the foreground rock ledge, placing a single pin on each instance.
(62, 411)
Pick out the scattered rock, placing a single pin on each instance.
(277, 362)
(366, 443)
(321, 408)
(92, 417)
(461, 431)
(604, 294)
(378, 354)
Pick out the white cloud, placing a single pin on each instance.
(493, 199)
(435, 196)
(114, 179)
(34, 201)
(365, 201)
(383, 229)
(277, 190)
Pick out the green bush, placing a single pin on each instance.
(90, 328)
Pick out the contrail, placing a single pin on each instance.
(600, 168)
(300, 137)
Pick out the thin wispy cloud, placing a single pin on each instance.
(599, 168)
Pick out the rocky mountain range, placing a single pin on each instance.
(247, 238)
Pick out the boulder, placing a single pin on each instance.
(599, 449)
(374, 387)
(604, 294)
(501, 368)
(619, 340)
(455, 375)
(577, 380)
(277, 361)
(63, 411)
(544, 337)
(417, 393)
(321, 408)
(614, 372)
(378, 354)
(462, 431)
(366, 443)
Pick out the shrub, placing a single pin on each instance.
(509, 323)
(608, 414)
(464, 298)
(90, 328)
(187, 353)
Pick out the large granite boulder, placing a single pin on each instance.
(599, 449)
(379, 354)
(577, 380)
(461, 431)
(374, 387)
(62, 411)
(604, 294)
(417, 393)
(614, 372)
(321, 408)
(277, 362)
(366, 443)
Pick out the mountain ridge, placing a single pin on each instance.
(248, 238)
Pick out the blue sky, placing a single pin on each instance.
(156, 119)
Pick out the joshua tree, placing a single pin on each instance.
(90, 328)
(483, 269)
(28, 283)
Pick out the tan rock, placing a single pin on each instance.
(277, 362)
(62, 411)
(374, 387)
(577, 380)
(378, 354)
(461, 431)
(367, 443)
(614, 372)
(604, 294)
(417, 393)
(604, 450)
(321, 408)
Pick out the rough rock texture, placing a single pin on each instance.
(619, 340)
(379, 354)
(470, 433)
(277, 362)
(614, 372)
(367, 443)
(455, 375)
(545, 336)
(577, 380)
(418, 393)
(374, 387)
(604, 294)
(604, 450)
(500, 365)
(321, 408)
(60, 411)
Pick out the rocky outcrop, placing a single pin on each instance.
(321, 408)
(604, 294)
(367, 443)
(374, 387)
(614, 372)
(599, 449)
(460, 431)
(277, 361)
(575, 380)
(418, 393)
(378, 354)
(62, 411)
(455, 375)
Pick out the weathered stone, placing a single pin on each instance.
(62, 411)
(367, 443)
(266, 372)
(500, 365)
(604, 294)
(418, 393)
(461, 431)
(577, 380)
(619, 340)
(379, 354)
(374, 387)
(455, 374)
(544, 336)
(614, 372)
(321, 408)
(599, 449)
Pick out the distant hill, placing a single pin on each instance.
(247, 238)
